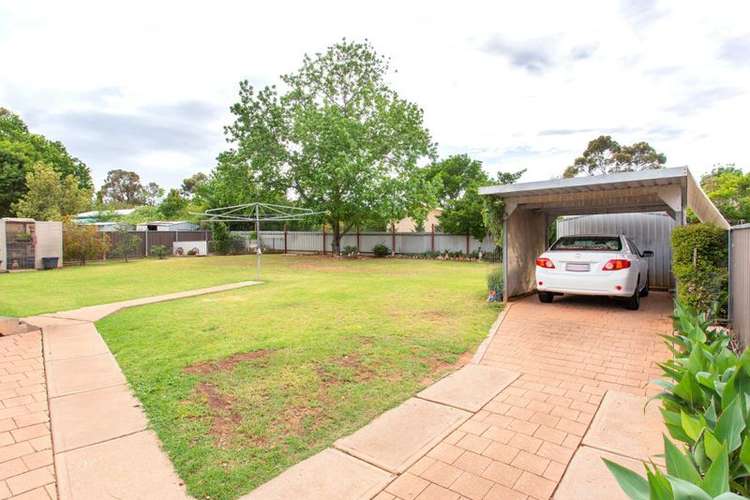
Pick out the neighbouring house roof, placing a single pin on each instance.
(408, 225)
(98, 213)
(164, 222)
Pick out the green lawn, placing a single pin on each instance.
(242, 384)
(27, 293)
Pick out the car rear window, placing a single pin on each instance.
(606, 243)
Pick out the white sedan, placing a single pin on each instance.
(610, 265)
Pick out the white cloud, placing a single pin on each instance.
(147, 85)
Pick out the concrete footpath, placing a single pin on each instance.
(81, 417)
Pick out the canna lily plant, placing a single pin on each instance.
(706, 407)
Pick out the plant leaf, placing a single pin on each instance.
(678, 464)
(684, 490)
(745, 451)
(716, 480)
(634, 485)
(730, 425)
(713, 446)
(691, 425)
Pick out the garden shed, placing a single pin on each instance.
(530, 207)
(29, 244)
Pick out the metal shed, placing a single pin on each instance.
(529, 208)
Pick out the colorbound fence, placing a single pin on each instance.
(650, 231)
(739, 281)
(399, 243)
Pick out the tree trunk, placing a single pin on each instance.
(336, 243)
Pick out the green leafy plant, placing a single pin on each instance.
(222, 239)
(495, 285)
(699, 261)
(350, 251)
(159, 251)
(705, 406)
(381, 250)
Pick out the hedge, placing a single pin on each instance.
(699, 262)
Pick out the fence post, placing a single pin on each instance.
(467, 245)
(393, 239)
(145, 249)
(432, 239)
(324, 239)
(177, 236)
(358, 249)
(285, 235)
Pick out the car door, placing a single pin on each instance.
(642, 263)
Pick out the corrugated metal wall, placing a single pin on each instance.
(739, 291)
(650, 231)
(406, 243)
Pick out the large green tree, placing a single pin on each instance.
(729, 189)
(338, 140)
(457, 180)
(20, 150)
(49, 197)
(604, 155)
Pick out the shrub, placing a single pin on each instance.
(495, 285)
(699, 262)
(350, 251)
(159, 251)
(82, 242)
(222, 239)
(704, 406)
(381, 250)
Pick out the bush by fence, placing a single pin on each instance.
(699, 262)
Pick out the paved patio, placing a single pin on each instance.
(557, 387)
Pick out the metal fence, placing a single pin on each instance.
(402, 243)
(739, 282)
(650, 231)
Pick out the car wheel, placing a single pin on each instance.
(644, 292)
(546, 297)
(634, 302)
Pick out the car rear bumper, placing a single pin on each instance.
(587, 283)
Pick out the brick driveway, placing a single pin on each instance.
(569, 354)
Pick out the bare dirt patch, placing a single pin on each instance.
(225, 364)
(438, 367)
(224, 419)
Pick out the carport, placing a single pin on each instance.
(531, 206)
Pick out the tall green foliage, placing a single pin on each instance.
(20, 150)
(729, 189)
(49, 197)
(604, 155)
(699, 262)
(705, 405)
(340, 139)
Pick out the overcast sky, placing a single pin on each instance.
(146, 86)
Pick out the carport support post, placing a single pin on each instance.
(505, 258)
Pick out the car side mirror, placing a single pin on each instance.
(648, 253)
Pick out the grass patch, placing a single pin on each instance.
(242, 384)
(29, 293)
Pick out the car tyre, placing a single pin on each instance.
(546, 297)
(644, 292)
(634, 302)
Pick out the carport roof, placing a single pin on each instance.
(558, 195)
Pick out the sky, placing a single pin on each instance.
(147, 86)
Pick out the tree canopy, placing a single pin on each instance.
(338, 140)
(20, 150)
(729, 189)
(457, 180)
(123, 189)
(604, 155)
(48, 197)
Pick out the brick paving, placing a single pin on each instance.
(519, 444)
(26, 468)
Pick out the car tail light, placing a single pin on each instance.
(544, 262)
(616, 264)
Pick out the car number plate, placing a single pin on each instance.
(578, 268)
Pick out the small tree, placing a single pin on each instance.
(82, 242)
(222, 238)
(127, 242)
(50, 197)
(605, 155)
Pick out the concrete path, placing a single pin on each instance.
(508, 425)
(100, 442)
